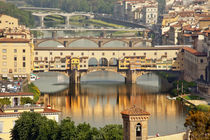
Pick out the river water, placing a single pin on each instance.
(101, 97)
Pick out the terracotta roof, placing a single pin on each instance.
(9, 40)
(17, 94)
(205, 19)
(195, 52)
(15, 34)
(134, 111)
(46, 110)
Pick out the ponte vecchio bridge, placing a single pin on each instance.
(48, 58)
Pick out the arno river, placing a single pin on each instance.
(101, 97)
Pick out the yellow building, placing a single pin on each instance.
(75, 63)
(169, 19)
(7, 22)
(15, 58)
(15, 98)
(8, 116)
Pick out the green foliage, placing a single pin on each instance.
(204, 108)
(192, 97)
(199, 124)
(32, 125)
(24, 17)
(5, 101)
(26, 100)
(97, 6)
(112, 132)
(32, 88)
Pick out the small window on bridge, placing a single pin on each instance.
(92, 53)
(72, 53)
(134, 53)
(36, 53)
(145, 53)
(124, 54)
(165, 53)
(103, 53)
(82, 53)
(50, 53)
(113, 53)
(61, 53)
(155, 53)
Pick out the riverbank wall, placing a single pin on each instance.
(178, 136)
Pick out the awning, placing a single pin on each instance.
(4, 75)
(24, 75)
(19, 76)
(15, 75)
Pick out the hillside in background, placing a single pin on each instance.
(24, 17)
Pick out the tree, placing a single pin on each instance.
(31, 126)
(199, 124)
(67, 129)
(5, 101)
(112, 132)
(26, 100)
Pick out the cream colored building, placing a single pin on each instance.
(15, 58)
(195, 64)
(7, 22)
(9, 115)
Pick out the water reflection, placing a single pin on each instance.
(101, 104)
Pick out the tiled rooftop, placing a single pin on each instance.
(134, 111)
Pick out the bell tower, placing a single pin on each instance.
(135, 123)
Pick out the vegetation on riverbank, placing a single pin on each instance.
(192, 97)
(24, 17)
(35, 126)
(4, 101)
(34, 89)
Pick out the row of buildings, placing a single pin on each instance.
(140, 11)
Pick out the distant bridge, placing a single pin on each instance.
(88, 29)
(39, 8)
(67, 16)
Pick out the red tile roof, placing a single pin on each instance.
(17, 94)
(194, 52)
(205, 19)
(134, 111)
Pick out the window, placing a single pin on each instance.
(24, 64)
(165, 53)
(113, 53)
(50, 53)
(1, 126)
(15, 50)
(123, 54)
(24, 58)
(4, 50)
(61, 53)
(15, 58)
(84, 65)
(15, 110)
(32, 110)
(92, 53)
(45, 58)
(82, 53)
(103, 53)
(201, 60)
(134, 53)
(36, 53)
(24, 50)
(4, 57)
(4, 63)
(80, 65)
(36, 58)
(155, 53)
(19, 70)
(15, 64)
(145, 53)
(72, 53)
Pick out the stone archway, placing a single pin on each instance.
(83, 43)
(113, 62)
(92, 62)
(103, 62)
(50, 43)
(115, 43)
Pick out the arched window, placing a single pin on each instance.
(138, 130)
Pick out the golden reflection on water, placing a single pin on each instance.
(101, 104)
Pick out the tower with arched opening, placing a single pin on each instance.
(135, 123)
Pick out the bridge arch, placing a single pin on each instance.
(113, 61)
(139, 44)
(105, 76)
(83, 43)
(115, 43)
(92, 62)
(103, 61)
(50, 43)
